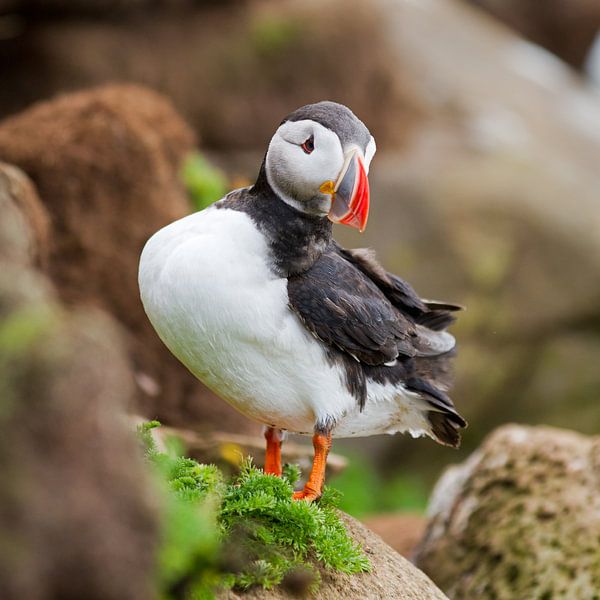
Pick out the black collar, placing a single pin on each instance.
(296, 239)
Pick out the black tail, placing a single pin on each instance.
(445, 421)
(445, 429)
(439, 315)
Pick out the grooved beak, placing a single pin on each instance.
(350, 194)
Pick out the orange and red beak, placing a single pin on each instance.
(350, 194)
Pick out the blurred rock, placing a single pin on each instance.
(232, 69)
(402, 531)
(91, 7)
(391, 577)
(519, 519)
(592, 62)
(106, 164)
(565, 27)
(76, 514)
(25, 223)
(227, 450)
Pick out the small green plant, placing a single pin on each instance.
(243, 532)
(204, 182)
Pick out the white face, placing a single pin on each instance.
(301, 157)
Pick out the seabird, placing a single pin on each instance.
(258, 301)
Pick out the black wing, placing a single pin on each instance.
(345, 309)
(430, 313)
(350, 302)
(380, 327)
(371, 315)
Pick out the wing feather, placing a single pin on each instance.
(345, 308)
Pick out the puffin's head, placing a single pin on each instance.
(318, 160)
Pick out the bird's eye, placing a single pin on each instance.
(309, 145)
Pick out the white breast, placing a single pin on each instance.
(208, 290)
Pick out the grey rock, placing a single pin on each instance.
(519, 519)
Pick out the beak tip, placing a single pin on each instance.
(356, 204)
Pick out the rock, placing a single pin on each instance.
(519, 519)
(402, 530)
(76, 509)
(109, 179)
(392, 576)
(226, 450)
(253, 62)
(565, 27)
(25, 223)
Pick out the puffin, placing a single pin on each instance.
(255, 297)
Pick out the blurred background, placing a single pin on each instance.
(485, 188)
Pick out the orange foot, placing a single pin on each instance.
(314, 486)
(308, 495)
(273, 454)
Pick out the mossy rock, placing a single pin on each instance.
(391, 576)
(519, 519)
(252, 540)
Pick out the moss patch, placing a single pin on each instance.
(244, 532)
(205, 183)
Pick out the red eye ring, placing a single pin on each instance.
(309, 145)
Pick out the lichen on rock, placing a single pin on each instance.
(519, 519)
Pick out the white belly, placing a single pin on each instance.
(208, 290)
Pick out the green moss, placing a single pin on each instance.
(243, 532)
(204, 182)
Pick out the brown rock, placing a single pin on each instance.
(25, 224)
(565, 27)
(253, 62)
(89, 7)
(402, 531)
(519, 519)
(76, 514)
(391, 577)
(106, 165)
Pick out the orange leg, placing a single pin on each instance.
(314, 486)
(273, 454)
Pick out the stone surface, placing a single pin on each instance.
(565, 27)
(24, 226)
(519, 519)
(76, 510)
(106, 165)
(392, 576)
